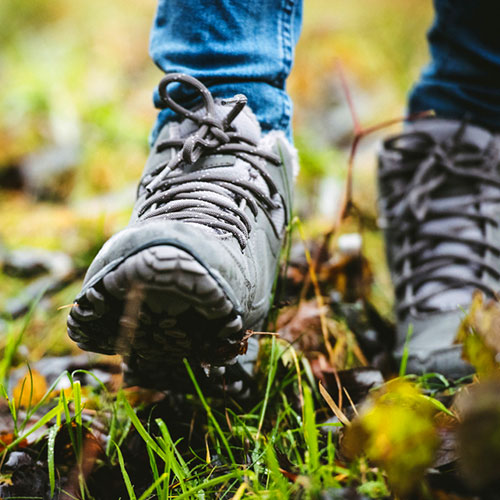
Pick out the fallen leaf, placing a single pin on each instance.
(396, 431)
(301, 326)
(447, 453)
(349, 274)
(7, 438)
(478, 434)
(30, 389)
(479, 333)
(138, 395)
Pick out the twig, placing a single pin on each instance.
(350, 103)
(359, 132)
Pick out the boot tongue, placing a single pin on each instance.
(245, 124)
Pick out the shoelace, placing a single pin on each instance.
(215, 198)
(434, 169)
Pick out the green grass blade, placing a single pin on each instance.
(44, 399)
(14, 341)
(67, 416)
(154, 486)
(330, 448)
(276, 475)
(154, 469)
(310, 430)
(273, 364)
(51, 442)
(209, 413)
(92, 375)
(440, 406)
(12, 407)
(183, 468)
(406, 352)
(46, 418)
(112, 431)
(77, 399)
(208, 484)
(142, 431)
(126, 477)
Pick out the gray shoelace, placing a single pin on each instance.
(436, 211)
(211, 197)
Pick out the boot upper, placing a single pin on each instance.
(439, 185)
(215, 187)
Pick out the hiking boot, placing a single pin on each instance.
(195, 267)
(439, 188)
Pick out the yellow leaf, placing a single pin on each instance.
(397, 432)
(30, 389)
(480, 335)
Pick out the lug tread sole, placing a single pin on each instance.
(157, 307)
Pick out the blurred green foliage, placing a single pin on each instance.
(78, 73)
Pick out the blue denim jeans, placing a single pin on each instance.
(463, 77)
(233, 47)
(247, 46)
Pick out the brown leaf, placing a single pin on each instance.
(7, 438)
(351, 275)
(301, 326)
(478, 433)
(447, 453)
(64, 446)
(138, 395)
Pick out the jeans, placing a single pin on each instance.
(233, 47)
(463, 77)
(247, 46)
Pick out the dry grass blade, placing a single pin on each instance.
(271, 334)
(239, 491)
(333, 406)
(299, 377)
(353, 406)
(317, 292)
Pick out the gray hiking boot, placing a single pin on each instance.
(194, 269)
(439, 188)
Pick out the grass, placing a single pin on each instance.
(241, 447)
(276, 447)
(93, 439)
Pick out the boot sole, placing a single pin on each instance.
(157, 307)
